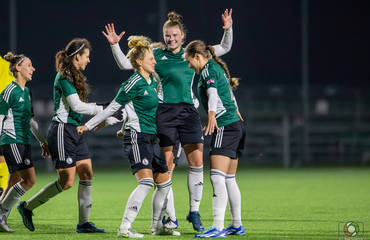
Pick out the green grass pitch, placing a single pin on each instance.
(276, 204)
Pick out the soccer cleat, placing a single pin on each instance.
(163, 231)
(4, 225)
(170, 223)
(194, 218)
(212, 232)
(231, 230)
(26, 216)
(88, 227)
(129, 233)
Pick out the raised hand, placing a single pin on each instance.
(111, 34)
(227, 19)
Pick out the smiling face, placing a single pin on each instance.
(81, 60)
(173, 37)
(25, 70)
(148, 63)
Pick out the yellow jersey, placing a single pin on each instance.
(5, 76)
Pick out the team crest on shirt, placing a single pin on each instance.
(145, 161)
(69, 160)
(27, 161)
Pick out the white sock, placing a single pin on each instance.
(84, 201)
(195, 187)
(170, 210)
(134, 202)
(45, 194)
(219, 200)
(159, 203)
(235, 201)
(12, 197)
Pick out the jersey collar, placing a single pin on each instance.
(181, 52)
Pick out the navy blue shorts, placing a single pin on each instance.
(66, 146)
(17, 156)
(143, 152)
(229, 140)
(1, 152)
(182, 119)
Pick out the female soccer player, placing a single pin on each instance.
(139, 96)
(176, 113)
(16, 124)
(215, 92)
(68, 150)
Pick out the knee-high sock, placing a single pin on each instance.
(134, 202)
(4, 174)
(195, 187)
(234, 200)
(45, 194)
(13, 196)
(219, 200)
(159, 203)
(170, 210)
(84, 201)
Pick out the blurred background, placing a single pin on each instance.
(304, 67)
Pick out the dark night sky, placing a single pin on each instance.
(267, 37)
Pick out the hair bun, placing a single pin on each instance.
(9, 56)
(173, 16)
(135, 41)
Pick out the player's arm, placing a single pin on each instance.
(227, 39)
(122, 61)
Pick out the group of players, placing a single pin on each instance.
(155, 102)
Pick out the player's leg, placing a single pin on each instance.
(163, 186)
(139, 155)
(236, 227)
(19, 160)
(191, 137)
(234, 199)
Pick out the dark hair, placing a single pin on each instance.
(174, 20)
(139, 45)
(64, 65)
(199, 47)
(14, 60)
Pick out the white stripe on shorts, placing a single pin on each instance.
(60, 141)
(135, 147)
(16, 154)
(219, 136)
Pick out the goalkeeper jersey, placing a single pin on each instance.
(5, 76)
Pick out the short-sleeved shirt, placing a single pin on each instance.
(16, 105)
(175, 75)
(63, 87)
(141, 101)
(213, 75)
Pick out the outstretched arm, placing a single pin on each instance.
(122, 61)
(227, 39)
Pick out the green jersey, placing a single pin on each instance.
(175, 75)
(214, 76)
(141, 101)
(15, 104)
(62, 111)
